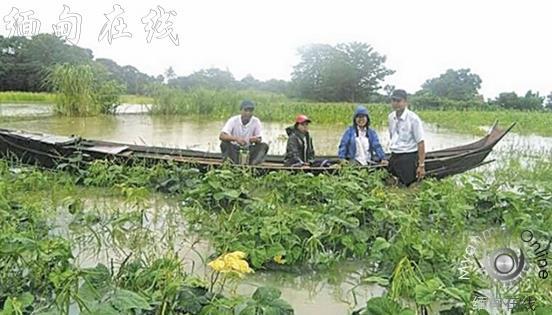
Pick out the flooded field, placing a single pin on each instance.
(180, 132)
(161, 224)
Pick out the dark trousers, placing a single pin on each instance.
(257, 152)
(403, 166)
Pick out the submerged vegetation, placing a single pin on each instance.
(413, 239)
(47, 235)
(410, 240)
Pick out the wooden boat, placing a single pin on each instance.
(49, 151)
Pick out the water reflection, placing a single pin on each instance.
(17, 110)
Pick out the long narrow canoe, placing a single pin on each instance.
(49, 151)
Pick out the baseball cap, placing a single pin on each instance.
(301, 119)
(247, 104)
(399, 95)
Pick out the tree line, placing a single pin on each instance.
(346, 72)
(26, 63)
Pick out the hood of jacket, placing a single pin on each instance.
(361, 110)
(292, 130)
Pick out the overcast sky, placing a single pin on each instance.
(508, 43)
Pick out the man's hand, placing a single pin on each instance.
(420, 172)
(241, 141)
(384, 163)
(256, 139)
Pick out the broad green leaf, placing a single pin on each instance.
(384, 306)
(426, 292)
(249, 310)
(265, 295)
(230, 194)
(8, 307)
(282, 306)
(26, 299)
(543, 310)
(97, 283)
(458, 294)
(124, 300)
(380, 244)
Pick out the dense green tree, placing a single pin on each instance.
(11, 78)
(211, 78)
(510, 100)
(135, 81)
(345, 72)
(548, 104)
(24, 63)
(389, 89)
(170, 74)
(454, 84)
(249, 82)
(276, 86)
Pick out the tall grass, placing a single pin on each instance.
(470, 121)
(82, 91)
(26, 97)
(50, 98)
(269, 106)
(274, 107)
(73, 85)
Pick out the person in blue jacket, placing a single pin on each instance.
(360, 144)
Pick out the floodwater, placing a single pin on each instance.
(21, 110)
(132, 126)
(320, 293)
(333, 291)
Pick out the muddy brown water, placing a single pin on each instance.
(131, 125)
(309, 293)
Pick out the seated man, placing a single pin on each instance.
(243, 132)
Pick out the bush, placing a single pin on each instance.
(83, 90)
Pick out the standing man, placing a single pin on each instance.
(407, 146)
(243, 131)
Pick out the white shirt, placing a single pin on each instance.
(236, 128)
(362, 154)
(405, 132)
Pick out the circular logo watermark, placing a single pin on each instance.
(504, 259)
(496, 255)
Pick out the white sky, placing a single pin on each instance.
(506, 42)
